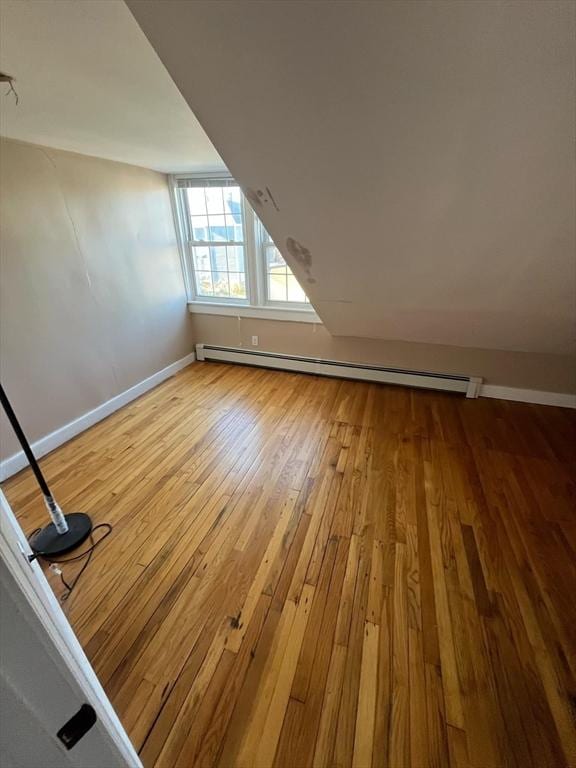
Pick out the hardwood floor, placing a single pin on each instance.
(315, 572)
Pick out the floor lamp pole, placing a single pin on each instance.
(65, 532)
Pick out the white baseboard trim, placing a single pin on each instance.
(41, 447)
(528, 396)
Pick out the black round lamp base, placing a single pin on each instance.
(49, 543)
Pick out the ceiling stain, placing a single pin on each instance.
(253, 197)
(302, 255)
(299, 252)
(271, 196)
(257, 197)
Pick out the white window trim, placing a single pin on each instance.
(251, 310)
(257, 304)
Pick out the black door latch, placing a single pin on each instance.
(78, 725)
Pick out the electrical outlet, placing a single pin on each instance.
(254, 341)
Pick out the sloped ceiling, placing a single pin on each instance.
(413, 160)
(88, 81)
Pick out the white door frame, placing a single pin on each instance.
(14, 550)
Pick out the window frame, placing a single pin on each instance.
(188, 244)
(262, 244)
(257, 302)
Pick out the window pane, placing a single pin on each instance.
(204, 283)
(295, 293)
(221, 285)
(201, 259)
(232, 200)
(277, 287)
(196, 201)
(234, 228)
(214, 201)
(281, 282)
(218, 228)
(235, 258)
(218, 259)
(237, 282)
(199, 228)
(224, 221)
(233, 206)
(274, 261)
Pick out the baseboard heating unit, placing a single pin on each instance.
(468, 385)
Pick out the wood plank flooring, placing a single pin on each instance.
(309, 572)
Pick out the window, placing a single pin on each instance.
(281, 284)
(228, 255)
(214, 221)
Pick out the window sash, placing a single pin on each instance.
(191, 182)
(216, 243)
(265, 244)
(239, 275)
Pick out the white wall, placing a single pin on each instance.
(92, 299)
(422, 152)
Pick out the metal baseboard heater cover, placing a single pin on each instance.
(468, 385)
